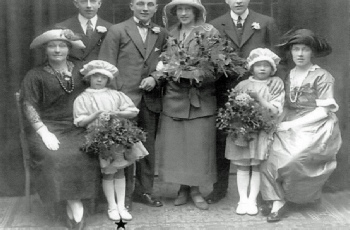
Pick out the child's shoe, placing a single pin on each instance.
(241, 208)
(252, 209)
(125, 215)
(113, 214)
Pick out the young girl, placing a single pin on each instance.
(262, 64)
(88, 106)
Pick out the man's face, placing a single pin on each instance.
(88, 8)
(238, 6)
(144, 9)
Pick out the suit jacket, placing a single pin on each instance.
(92, 44)
(265, 37)
(184, 100)
(124, 48)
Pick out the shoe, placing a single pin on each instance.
(128, 203)
(113, 214)
(276, 216)
(182, 196)
(252, 209)
(265, 208)
(199, 201)
(241, 208)
(215, 196)
(73, 225)
(124, 214)
(147, 199)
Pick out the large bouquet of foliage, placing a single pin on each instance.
(210, 57)
(243, 116)
(111, 131)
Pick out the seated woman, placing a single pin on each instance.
(186, 138)
(61, 171)
(303, 154)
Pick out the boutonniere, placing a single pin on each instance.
(156, 30)
(101, 29)
(256, 26)
(156, 49)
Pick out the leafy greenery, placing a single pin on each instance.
(244, 116)
(111, 131)
(210, 57)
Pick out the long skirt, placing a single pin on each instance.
(186, 151)
(65, 174)
(300, 162)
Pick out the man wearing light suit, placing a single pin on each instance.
(247, 30)
(134, 46)
(92, 34)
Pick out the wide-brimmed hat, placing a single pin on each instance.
(263, 54)
(195, 3)
(58, 34)
(318, 44)
(99, 66)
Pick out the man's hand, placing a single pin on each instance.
(275, 85)
(148, 84)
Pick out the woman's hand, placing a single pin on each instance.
(275, 85)
(49, 139)
(148, 83)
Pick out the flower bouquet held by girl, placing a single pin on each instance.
(206, 57)
(115, 138)
(243, 117)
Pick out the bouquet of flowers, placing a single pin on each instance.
(210, 57)
(243, 116)
(113, 131)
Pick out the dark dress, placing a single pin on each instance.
(67, 173)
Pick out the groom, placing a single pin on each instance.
(134, 46)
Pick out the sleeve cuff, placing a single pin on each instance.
(330, 103)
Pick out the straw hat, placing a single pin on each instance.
(58, 34)
(194, 3)
(319, 45)
(99, 66)
(263, 54)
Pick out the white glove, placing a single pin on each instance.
(48, 138)
(160, 66)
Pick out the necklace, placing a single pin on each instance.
(295, 84)
(59, 75)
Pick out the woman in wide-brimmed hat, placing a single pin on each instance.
(186, 139)
(303, 154)
(61, 171)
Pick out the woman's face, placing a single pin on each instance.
(185, 14)
(57, 51)
(262, 70)
(98, 81)
(302, 55)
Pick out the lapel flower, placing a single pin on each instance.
(101, 29)
(156, 30)
(256, 26)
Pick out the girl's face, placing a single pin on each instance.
(262, 70)
(185, 14)
(57, 51)
(302, 55)
(98, 81)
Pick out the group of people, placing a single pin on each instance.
(108, 68)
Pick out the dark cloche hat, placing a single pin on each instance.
(319, 45)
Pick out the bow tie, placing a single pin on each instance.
(143, 25)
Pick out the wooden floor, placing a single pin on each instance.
(332, 213)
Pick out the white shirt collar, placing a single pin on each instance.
(83, 21)
(138, 21)
(91, 90)
(251, 78)
(234, 16)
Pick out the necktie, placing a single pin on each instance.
(89, 29)
(239, 27)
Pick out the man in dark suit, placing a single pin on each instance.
(247, 30)
(134, 47)
(90, 27)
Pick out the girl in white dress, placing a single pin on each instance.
(88, 106)
(262, 63)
